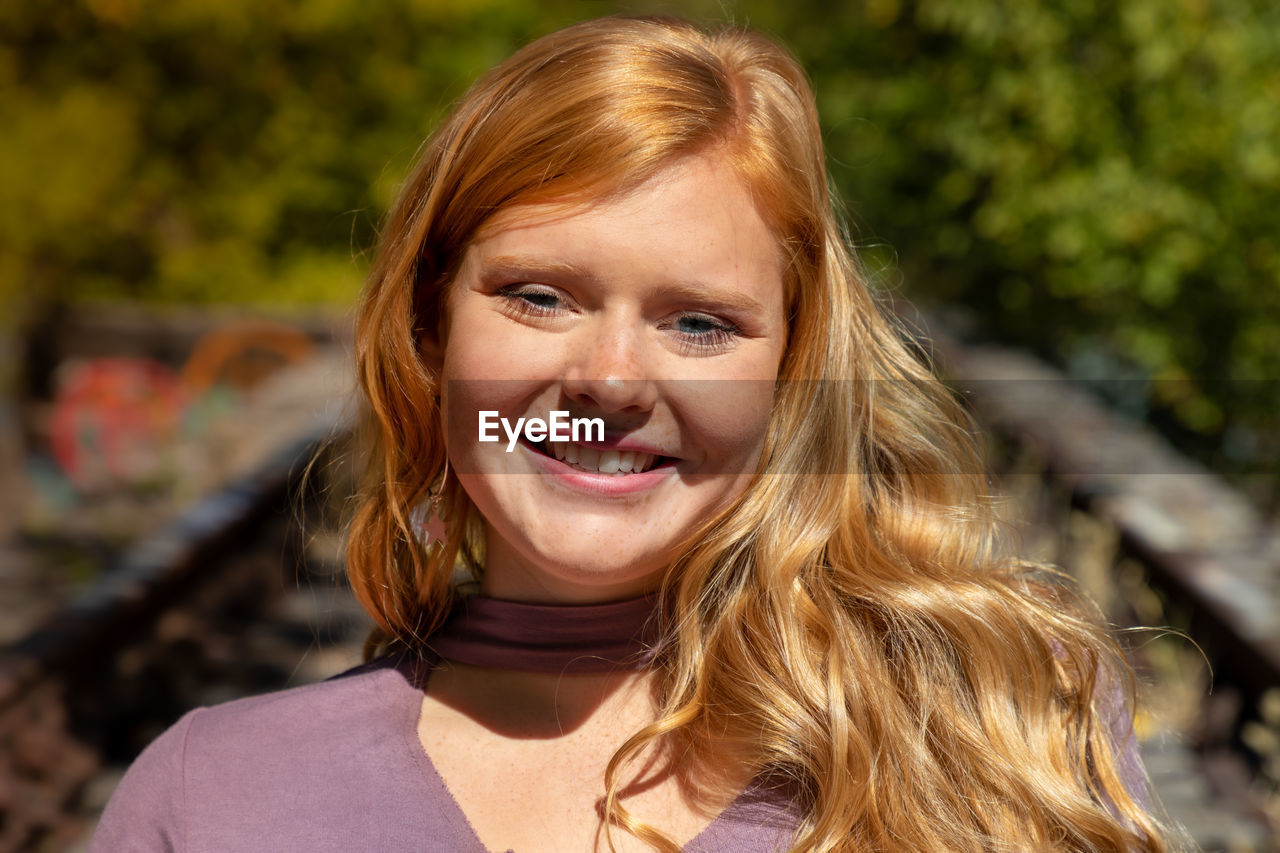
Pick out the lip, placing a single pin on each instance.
(609, 485)
(623, 444)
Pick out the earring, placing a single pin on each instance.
(425, 518)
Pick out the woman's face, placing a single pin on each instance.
(661, 314)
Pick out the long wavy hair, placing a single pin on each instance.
(852, 624)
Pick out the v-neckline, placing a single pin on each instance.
(416, 672)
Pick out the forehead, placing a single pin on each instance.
(695, 216)
(575, 194)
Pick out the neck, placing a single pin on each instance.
(541, 705)
(550, 638)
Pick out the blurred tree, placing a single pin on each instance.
(219, 151)
(1097, 180)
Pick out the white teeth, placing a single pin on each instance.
(609, 462)
(616, 462)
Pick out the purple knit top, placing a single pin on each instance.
(338, 766)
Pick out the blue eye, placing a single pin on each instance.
(531, 299)
(703, 333)
(542, 300)
(693, 324)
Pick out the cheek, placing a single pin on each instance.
(464, 358)
(484, 345)
(462, 403)
(728, 418)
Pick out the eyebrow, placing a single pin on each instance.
(508, 267)
(715, 297)
(534, 269)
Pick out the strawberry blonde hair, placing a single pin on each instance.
(850, 625)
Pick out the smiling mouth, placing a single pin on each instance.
(619, 463)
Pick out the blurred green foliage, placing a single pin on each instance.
(221, 150)
(1097, 179)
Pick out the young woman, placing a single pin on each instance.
(755, 602)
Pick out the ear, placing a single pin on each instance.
(431, 340)
(431, 351)
(430, 326)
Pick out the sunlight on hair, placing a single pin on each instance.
(863, 638)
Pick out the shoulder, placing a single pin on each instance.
(342, 719)
(374, 693)
(146, 812)
(763, 819)
(242, 772)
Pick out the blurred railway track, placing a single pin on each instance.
(1184, 566)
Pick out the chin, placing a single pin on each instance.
(574, 574)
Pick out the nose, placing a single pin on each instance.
(609, 369)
